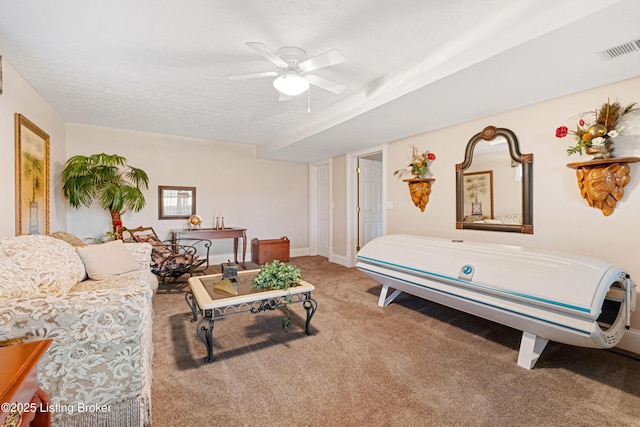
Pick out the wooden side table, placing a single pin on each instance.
(22, 399)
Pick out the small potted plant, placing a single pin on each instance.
(278, 275)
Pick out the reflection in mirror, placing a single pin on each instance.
(176, 202)
(478, 195)
(493, 189)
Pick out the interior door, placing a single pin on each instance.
(324, 210)
(370, 200)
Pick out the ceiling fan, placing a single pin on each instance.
(292, 78)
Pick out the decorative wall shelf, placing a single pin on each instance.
(420, 188)
(602, 181)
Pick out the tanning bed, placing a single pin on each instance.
(548, 295)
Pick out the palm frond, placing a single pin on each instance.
(132, 198)
(111, 198)
(108, 159)
(138, 177)
(104, 178)
(79, 191)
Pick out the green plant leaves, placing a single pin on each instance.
(106, 178)
(277, 275)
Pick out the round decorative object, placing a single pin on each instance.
(597, 130)
(489, 133)
(195, 221)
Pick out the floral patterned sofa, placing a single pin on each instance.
(97, 370)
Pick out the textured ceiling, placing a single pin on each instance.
(162, 66)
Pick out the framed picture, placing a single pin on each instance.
(32, 178)
(478, 194)
(176, 202)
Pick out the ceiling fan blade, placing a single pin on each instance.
(253, 76)
(325, 84)
(326, 59)
(267, 53)
(284, 97)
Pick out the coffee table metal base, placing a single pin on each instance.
(275, 300)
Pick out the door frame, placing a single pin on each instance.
(352, 197)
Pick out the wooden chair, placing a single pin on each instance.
(170, 260)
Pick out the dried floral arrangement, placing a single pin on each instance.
(418, 166)
(604, 127)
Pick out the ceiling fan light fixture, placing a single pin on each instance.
(291, 84)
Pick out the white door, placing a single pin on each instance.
(324, 210)
(370, 200)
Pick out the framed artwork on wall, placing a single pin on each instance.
(176, 202)
(32, 178)
(478, 194)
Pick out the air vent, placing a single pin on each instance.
(623, 49)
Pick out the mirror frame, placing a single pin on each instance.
(161, 196)
(526, 160)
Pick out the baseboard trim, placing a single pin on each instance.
(339, 259)
(630, 341)
(299, 252)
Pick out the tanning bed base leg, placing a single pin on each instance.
(531, 347)
(383, 301)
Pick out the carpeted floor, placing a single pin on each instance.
(411, 363)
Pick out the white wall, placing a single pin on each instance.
(562, 219)
(19, 97)
(269, 198)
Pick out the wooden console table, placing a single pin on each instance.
(22, 399)
(217, 233)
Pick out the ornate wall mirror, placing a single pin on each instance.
(176, 202)
(494, 184)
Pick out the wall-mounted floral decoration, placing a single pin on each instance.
(418, 165)
(597, 129)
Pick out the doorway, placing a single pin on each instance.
(369, 198)
(320, 209)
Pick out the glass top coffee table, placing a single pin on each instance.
(217, 304)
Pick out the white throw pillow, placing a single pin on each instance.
(106, 260)
(49, 264)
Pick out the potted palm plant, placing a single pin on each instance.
(107, 179)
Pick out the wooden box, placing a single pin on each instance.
(264, 251)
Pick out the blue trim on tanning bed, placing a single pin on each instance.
(478, 285)
(587, 333)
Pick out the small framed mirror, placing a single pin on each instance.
(494, 184)
(176, 202)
